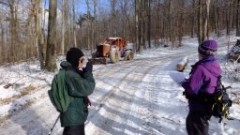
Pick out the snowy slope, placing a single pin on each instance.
(131, 97)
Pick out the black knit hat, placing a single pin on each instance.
(73, 56)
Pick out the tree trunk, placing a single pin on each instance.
(137, 8)
(193, 19)
(43, 25)
(51, 42)
(206, 25)
(13, 28)
(201, 36)
(149, 23)
(170, 32)
(39, 38)
(142, 24)
(94, 40)
(216, 20)
(73, 24)
(64, 20)
(88, 21)
(227, 20)
(238, 19)
(3, 49)
(180, 23)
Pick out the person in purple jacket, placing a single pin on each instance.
(202, 81)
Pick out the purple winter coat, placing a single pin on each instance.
(204, 74)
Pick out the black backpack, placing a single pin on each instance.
(220, 102)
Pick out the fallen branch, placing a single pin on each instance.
(7, 85)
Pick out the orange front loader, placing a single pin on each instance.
(113, 48)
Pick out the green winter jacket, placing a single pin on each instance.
(73, 109)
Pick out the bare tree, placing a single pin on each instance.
(137, 13)
(149, 23)
(64, 21)
(88, 21)
(2, 37)
(94, 23)
(180, 22)
(13, 28)
(206, 25)
(238, 18)
(51, 42)
(114, 18)
(143, 23)
(74, 23)
(125, 10)
(39, 42)
(170, 21)
(203, 16)
(227, 16)
(216, 18)
(3, 47)
(193, 18)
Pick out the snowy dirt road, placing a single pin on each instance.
(131, 98)
(139, 103)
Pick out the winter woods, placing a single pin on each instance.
(27, 32)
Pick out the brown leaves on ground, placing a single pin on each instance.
(25, 91)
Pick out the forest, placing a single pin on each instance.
(44, 29)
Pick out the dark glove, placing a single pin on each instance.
(187, 95)
(89, 67)
(87, 101)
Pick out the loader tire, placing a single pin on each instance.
(114, 55)
(128, 55)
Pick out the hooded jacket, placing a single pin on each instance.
(203, 78)
(77, 87)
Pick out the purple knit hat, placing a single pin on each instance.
(208, 47)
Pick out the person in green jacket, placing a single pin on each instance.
(73, 84)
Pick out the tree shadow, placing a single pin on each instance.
(112, 127)
(141, 126)
(29, 121)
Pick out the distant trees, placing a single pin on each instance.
(23, 30)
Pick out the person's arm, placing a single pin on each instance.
(194, 83)
(79, 86)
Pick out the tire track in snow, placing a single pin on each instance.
(161, 117)
(152, 90)
(112, 104)
(122, 119)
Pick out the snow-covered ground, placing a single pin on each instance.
(131, 97)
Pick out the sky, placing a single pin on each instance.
(81, 6)
(131, 97)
